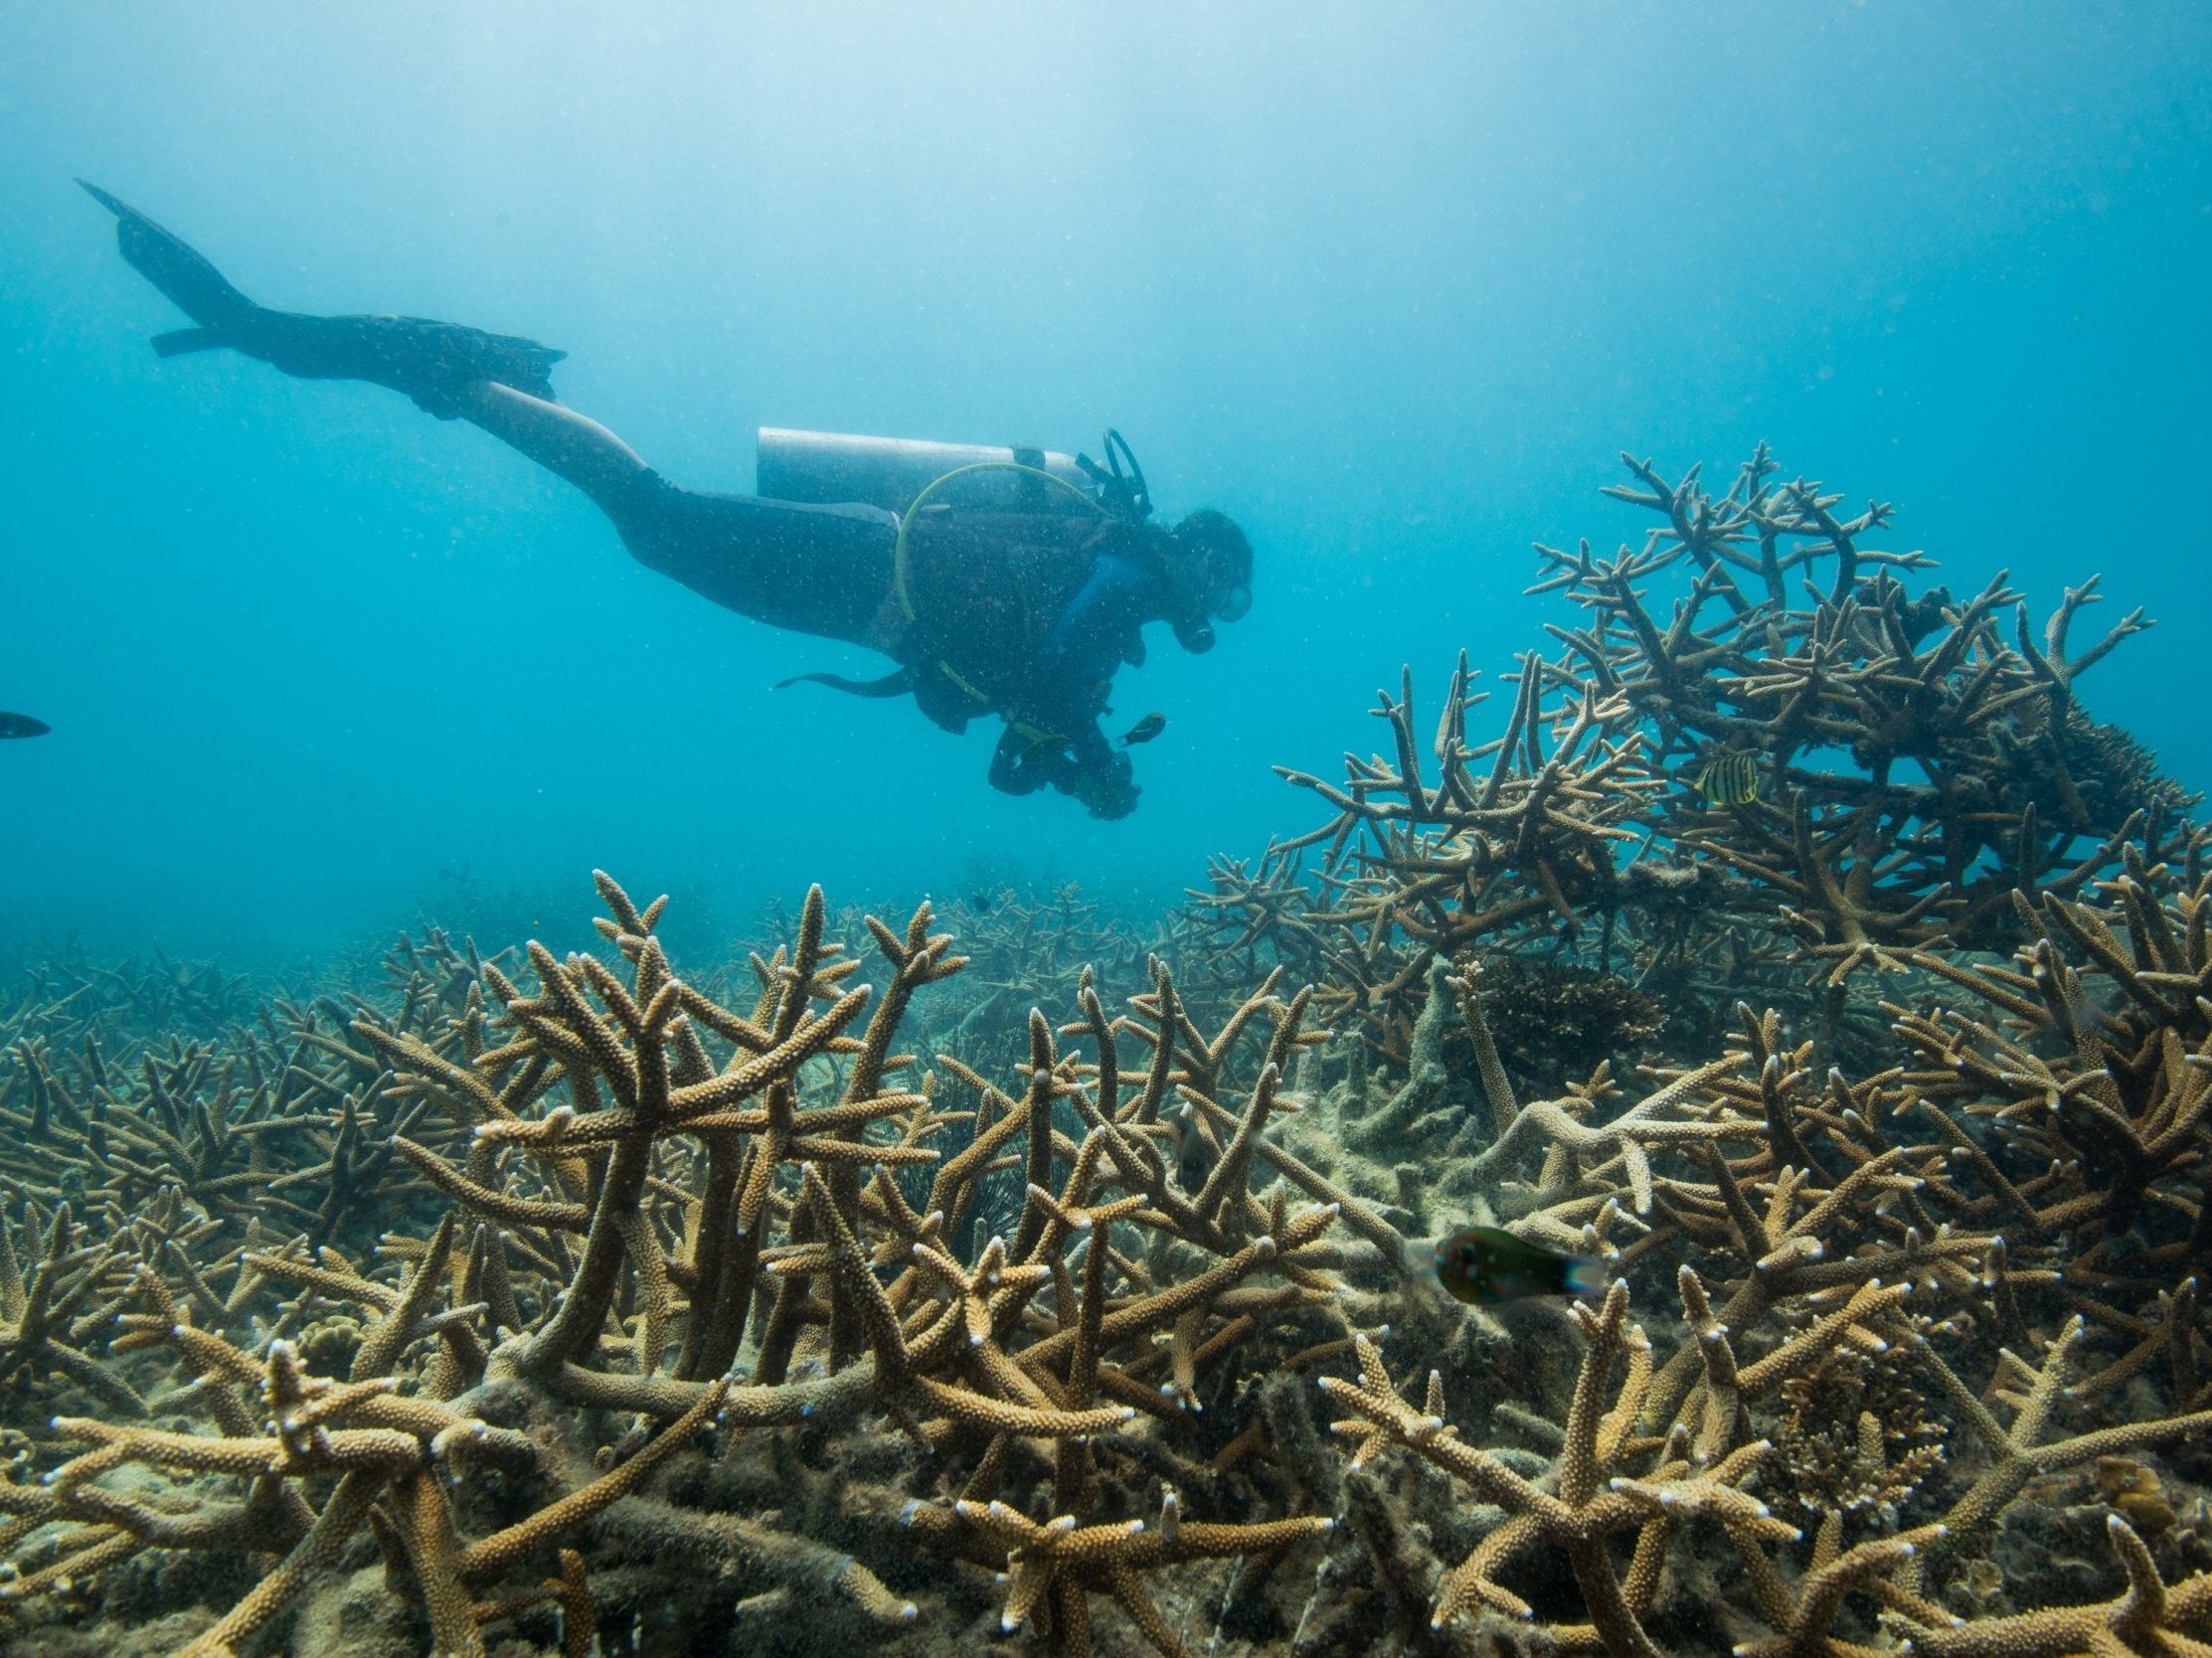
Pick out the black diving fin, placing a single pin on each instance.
(21, 724)
(165, 260)
(432, 362)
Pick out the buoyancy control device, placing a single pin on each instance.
(902, 475)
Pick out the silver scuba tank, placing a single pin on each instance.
(830, 468)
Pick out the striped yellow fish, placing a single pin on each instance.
(1730, 780)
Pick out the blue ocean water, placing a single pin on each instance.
(1389, 283)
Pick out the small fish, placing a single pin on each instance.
(1196, 1152)
(1730, 780)
(1484, 1265)
(21, 724)
(1144, 730)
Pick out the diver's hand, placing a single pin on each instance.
(1114, 806)
(1109, 791)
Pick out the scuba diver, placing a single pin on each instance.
(1006, 581)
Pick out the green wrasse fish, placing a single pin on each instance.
(1484, 1265)
(21, 724)
(1730, 780)
(1144, 730)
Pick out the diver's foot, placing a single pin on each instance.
(434, 362)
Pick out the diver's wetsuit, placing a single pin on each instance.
(1027, 615)
(818, 570)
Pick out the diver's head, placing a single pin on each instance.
(1209, 564)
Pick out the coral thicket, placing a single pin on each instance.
(1799, 947)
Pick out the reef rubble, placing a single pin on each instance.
(1799, 947)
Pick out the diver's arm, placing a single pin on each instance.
(1114, 603)
(1088, 642)
(1069, 678)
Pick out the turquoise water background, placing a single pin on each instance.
(1389, 283)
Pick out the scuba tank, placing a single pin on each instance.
(826, 468)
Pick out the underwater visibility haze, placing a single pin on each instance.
(1680, 1123)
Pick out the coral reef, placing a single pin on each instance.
(1803, 951)
(1909, 771)
(620, 1186)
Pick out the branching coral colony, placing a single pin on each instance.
(1800, 948)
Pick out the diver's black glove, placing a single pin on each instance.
(1108, 789)
(1093, 773)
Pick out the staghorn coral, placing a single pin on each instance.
(525, 1300)
(2027, 1168)
(2152, 1617)
(1913, 771)
(1857, 1436)
(1553, 1023)
(656, 1207)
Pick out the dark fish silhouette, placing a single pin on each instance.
(429, 361)
(1144, 730)
(21, 724)
(1196, 1152)
(1484, 1265)
(1730, 780)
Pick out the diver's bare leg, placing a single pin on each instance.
(571, 445)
